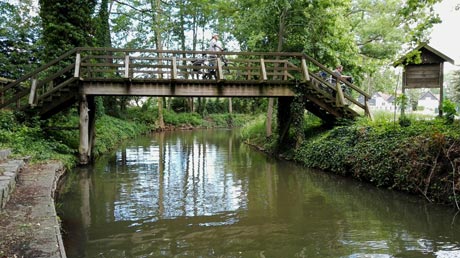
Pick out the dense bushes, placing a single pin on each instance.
(422, 158)
(28, 139)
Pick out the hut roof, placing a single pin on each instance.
(421, 47)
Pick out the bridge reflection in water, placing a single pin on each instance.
(205, 194)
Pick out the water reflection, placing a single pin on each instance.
(204, 194)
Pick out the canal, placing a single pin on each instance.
(206, 194)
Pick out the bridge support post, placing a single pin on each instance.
(87, 119)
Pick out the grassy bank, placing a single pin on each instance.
(58, 138)
(422, 158)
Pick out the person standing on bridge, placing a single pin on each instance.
(337, 73)
(214, 46)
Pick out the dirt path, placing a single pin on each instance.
(29, 225)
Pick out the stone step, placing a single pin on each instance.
(4, 154)
(9, 171)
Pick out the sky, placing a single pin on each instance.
(445, 37)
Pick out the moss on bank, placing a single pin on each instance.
(422, 158)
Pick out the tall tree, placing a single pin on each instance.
(102, 25)
(19, 38)
(66, 25)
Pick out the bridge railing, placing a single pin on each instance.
(345, 92)
(141, 64)
(109, 63)
(40, 83)
(250, 67)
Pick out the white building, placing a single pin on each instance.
(428, 103)
(382, 101)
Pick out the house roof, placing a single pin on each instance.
(428, 48)
(384, 96)
(429, 94)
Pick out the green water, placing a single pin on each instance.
(205, 194)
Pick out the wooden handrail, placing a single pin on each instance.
(330, 72)
(38, 70)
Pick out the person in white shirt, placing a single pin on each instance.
(214, 44)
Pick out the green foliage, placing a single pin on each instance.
(402, 158)
(111, 131)
(66, 25)
(19, 34)
(416, 159)
(404, 121)
(455, 84)
(254, 131)
(30, 140)
(448, 107)
(176, 119)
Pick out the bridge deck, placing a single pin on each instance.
(188, 88)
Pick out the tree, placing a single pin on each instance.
(66, 25)
(19, 36)
(455, 85)
(102, 25)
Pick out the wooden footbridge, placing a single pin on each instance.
(82, 73)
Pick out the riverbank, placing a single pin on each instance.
(422, 158)
(29, 225)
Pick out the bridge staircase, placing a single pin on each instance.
(63, 82)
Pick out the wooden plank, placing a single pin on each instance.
(263, 71)
(421, 81)
(126, 75)
(220, 74)
(174, 68)
(305, 74)
(339, 100)
(202, 88)
(434, 75)
(77, 65)
(33, 89)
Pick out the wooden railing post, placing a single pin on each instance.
(263, 70)
(174, 68)
(340, 99)
(126, 75)
(220, 74)
(77, 65)
(306, 76)
(367, 110)
(285, 74)
(33, 91)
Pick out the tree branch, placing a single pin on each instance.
(132, 6)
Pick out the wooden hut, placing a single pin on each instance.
(424, 68)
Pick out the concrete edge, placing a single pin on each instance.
(60, 171)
